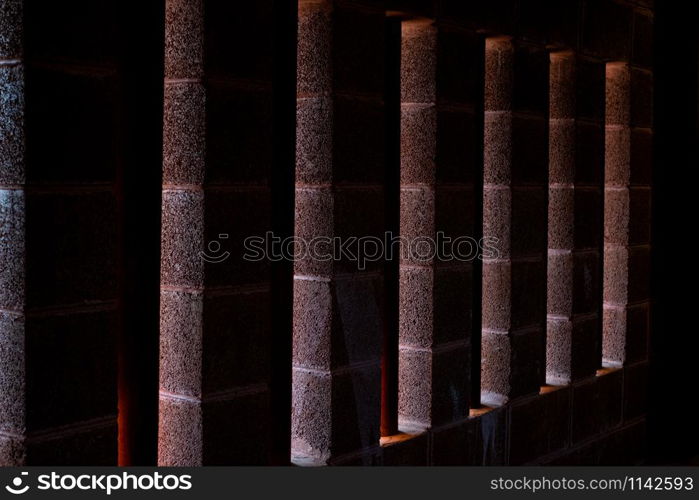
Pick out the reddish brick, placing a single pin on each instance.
(616, 275)
(311, 414)
(618, 94)
(184, 46)
(313, 324)
(418, 137)
(618, 156)
(497, 148)
(314, 218)
(314, 48)
(182, 239)
(562, 147)
(499, 74)
(497, 218)
(183, 134)
(314, 117)
(417, 221)
(497, 295)
(181, 318)
(418, 62)
(561, 205)
(616, 216)
(179, 433)
(573, 349)
(560, 284)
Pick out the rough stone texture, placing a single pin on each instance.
(182, 238)
(183, 133)
(12, 247)
(12, 170)
(11, 29)
(12, 377)
(179, 433)
(181, 317)
(184, 45)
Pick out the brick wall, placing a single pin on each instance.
(527, 122)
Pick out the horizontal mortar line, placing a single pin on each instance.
(416, 267)
(306, 96)
(515, 332)
(178, 397)
(419, 105)
(182, 187)
(171, 81)
(220, 291)
(10, 62)
(489, 260)
(306, 277)
(416, 426)
(435, 349)
(562, 185)
(497, 187)
(560, 251)
(72, 429)
(416, 187)
(567, 120)
(236, 392)
(12, 312)
(185, 289)
(616, 246)
(63, 310)
(338, 370)
(11, 435)
(12, 187)
(618, 126)
(313, 187)
(616, 188)
(497, 112)
(559, 317)
(629, 305)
